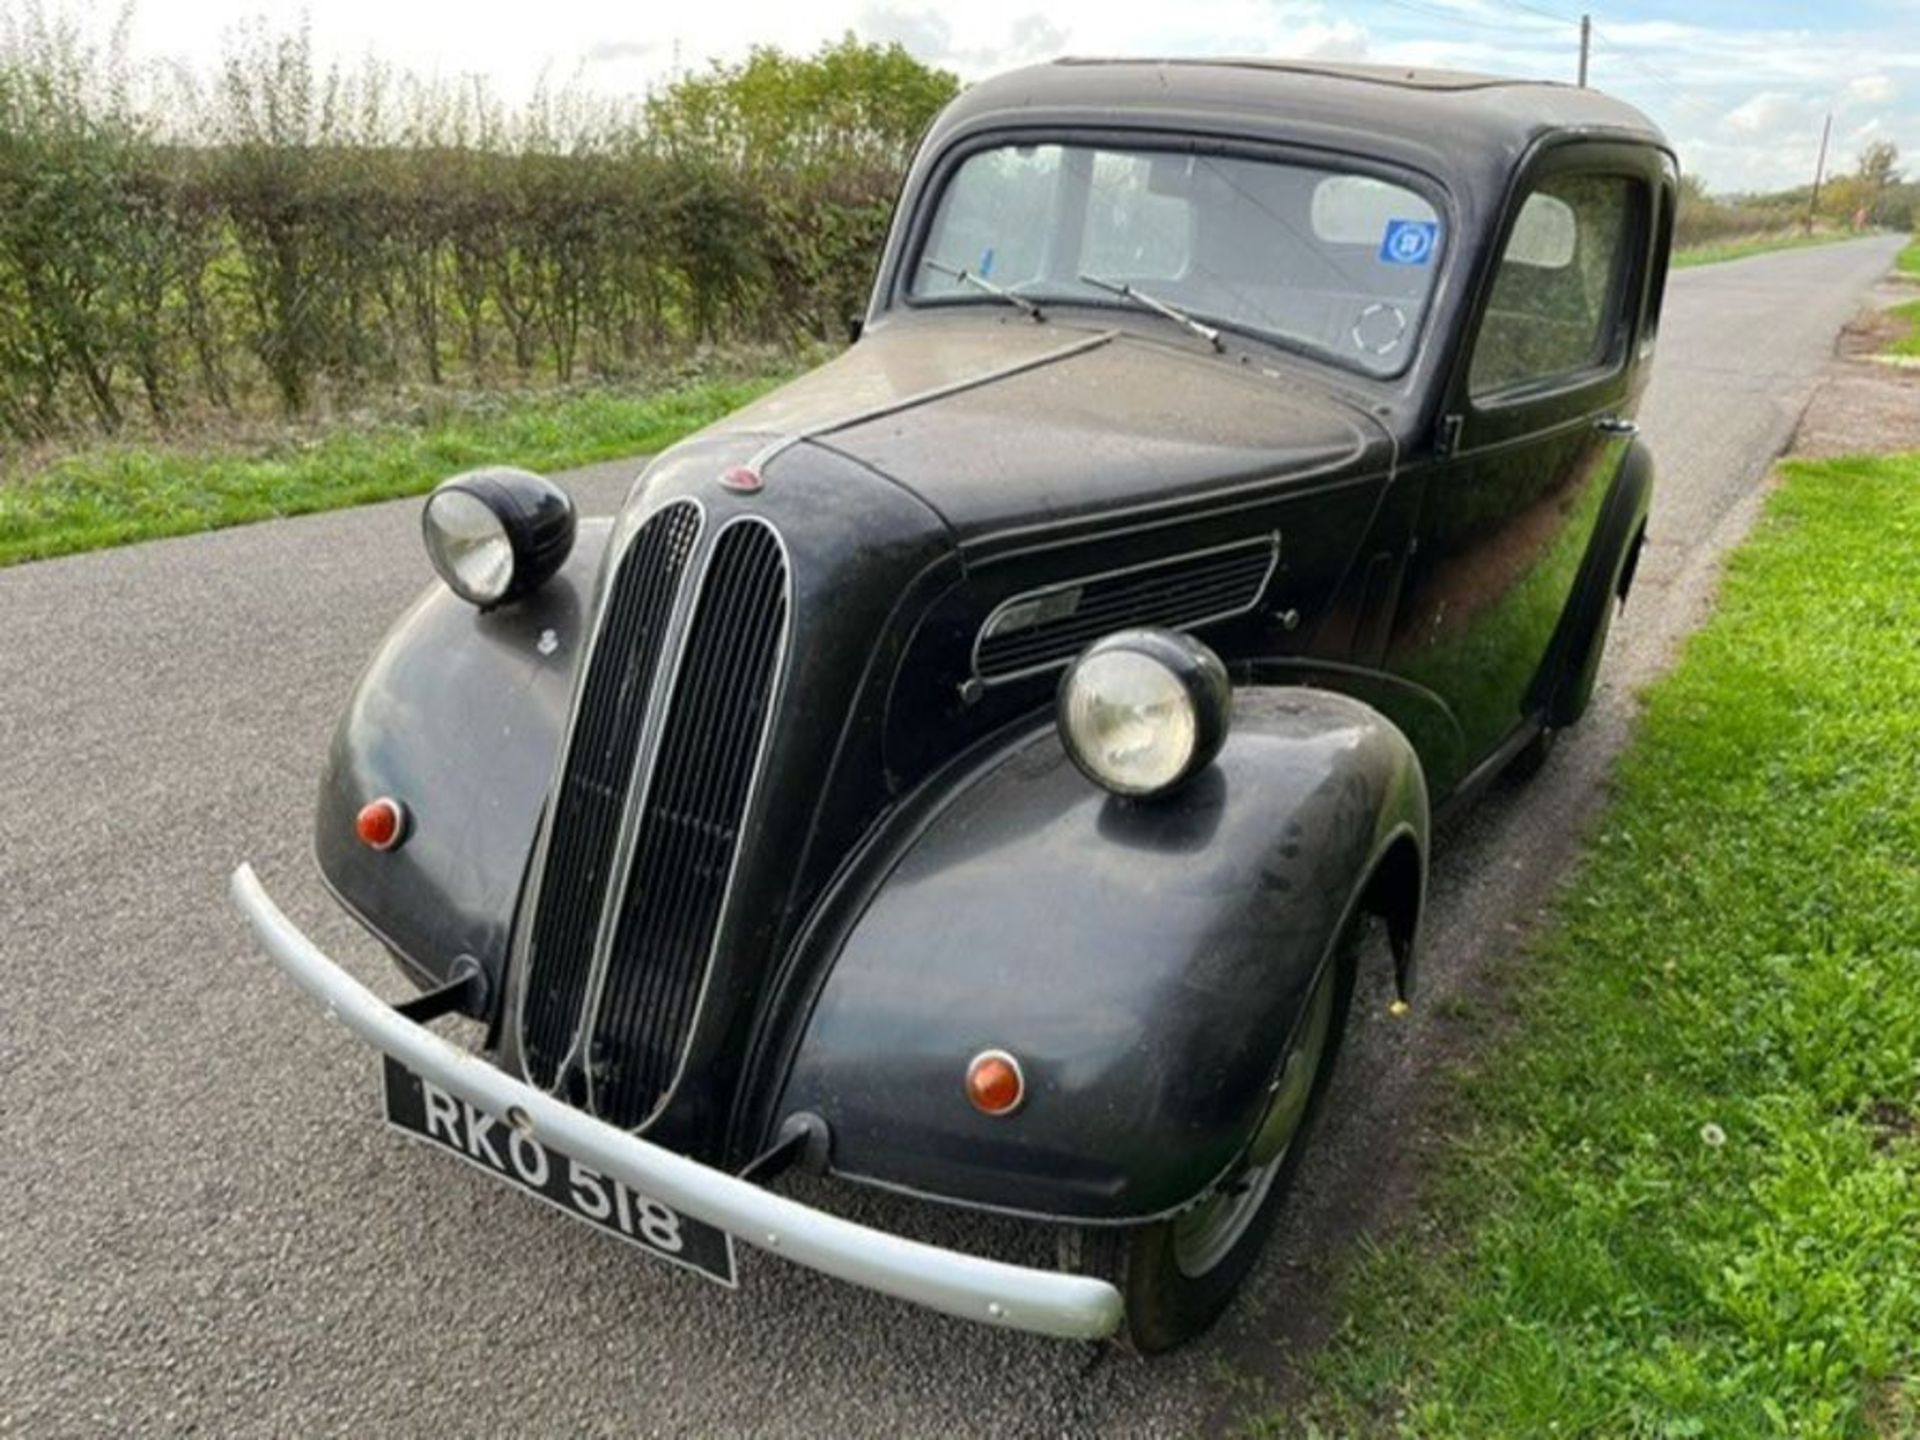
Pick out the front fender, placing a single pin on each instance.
(1145, 962)
(459, 717)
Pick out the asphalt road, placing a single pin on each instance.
(204, 1227)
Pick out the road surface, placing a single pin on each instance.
(203, 1226)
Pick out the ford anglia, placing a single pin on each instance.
(973, 769)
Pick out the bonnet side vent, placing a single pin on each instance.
(1039, 629)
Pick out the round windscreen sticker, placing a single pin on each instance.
(1379, 328)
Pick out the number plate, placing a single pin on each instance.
(423, 1110)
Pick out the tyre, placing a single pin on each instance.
(1177, 1275)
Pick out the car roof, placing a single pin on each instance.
(1465, 128)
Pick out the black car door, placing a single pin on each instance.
(1534, 434)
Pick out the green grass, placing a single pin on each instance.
(112, 495)
(1682, 1193)
(1909, 343)
(1759, 245)
(1907, 262)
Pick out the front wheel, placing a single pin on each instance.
(1177, 1275)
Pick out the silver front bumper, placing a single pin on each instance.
(1044, 1301)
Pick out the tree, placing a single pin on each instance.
(1879, 166)
(848, 105)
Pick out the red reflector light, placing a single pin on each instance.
(381, 824)
(994, 1083)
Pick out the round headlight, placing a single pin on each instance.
(495, 535)
(1142, 710)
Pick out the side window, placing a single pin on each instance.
(1555, 307)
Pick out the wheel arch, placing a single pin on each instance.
(1145, 963)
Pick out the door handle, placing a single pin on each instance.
(1616, 425)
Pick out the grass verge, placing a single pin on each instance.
(111, 495)
(1907, 344)
(1759, 245)
(1907, 262)
(1683, 1188)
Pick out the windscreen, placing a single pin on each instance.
(1336, 263)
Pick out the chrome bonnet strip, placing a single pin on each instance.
(782, 443)
(990, 1291)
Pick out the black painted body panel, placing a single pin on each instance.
(1143, 959)
(1097, 428)
(459, 716)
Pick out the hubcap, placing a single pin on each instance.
(1204, 1235)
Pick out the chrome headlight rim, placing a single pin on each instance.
(533, 522)
(1192, 695)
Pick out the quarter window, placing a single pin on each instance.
(1555, 307)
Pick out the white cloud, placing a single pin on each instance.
(1765, 114)
(1743, 99)
(1872, 89)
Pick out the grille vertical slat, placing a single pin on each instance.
(597, 775)
(689, 830)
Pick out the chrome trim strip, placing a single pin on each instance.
(974, 1288)
(537, 869)
(774, 448)
(980, 636)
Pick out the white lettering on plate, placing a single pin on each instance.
(479, 1124)
(443, 1112)
(659, 1226)
(529, 1158)
(589, 1191)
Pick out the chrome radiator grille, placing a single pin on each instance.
(647, 817)
(690, 827)
(592, 796)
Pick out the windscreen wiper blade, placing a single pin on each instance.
(980, 282)
(1158, 306)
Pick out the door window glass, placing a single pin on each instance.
(1555, 306)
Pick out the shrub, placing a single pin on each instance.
(289, 235)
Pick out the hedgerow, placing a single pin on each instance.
(288, 235)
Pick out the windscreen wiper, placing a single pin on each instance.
(1158, 306)
(980, 282)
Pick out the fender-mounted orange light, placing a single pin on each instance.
(381, 824)
(994, 1083)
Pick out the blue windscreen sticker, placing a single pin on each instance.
(986, 263)
(1409, 242)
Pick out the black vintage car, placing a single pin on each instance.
(970, 769)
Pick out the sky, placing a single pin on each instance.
(1741, 86)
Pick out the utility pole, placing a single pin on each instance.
(1819, 171)
(1586, 44)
